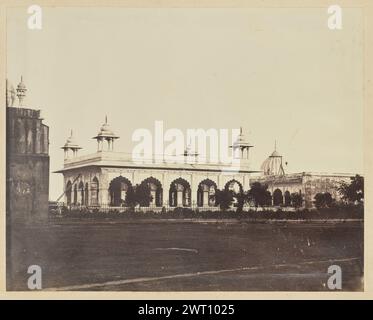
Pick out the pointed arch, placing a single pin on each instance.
(81, 193)
(86, 194)
(68, 191)
(119, 188)
(234, 185)
(75, 194)
(206, 193)
(156, 190)
(95, 187)
(277, 198)
(287, 198)
(180, 193)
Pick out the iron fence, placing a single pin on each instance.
(61, 208)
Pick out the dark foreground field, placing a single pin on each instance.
(186, 256)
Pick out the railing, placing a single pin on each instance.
(106, 208)
(155, 159)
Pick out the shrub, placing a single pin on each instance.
(339, 210)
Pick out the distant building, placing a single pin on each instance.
(27, 163)
(308, 184)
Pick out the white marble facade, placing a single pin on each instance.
(104, 177)
(91, 185)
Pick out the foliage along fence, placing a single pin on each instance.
(342, 211)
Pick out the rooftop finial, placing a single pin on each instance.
(105, 119)
(240, 130)
(275, 145)
(71, 132)
(21, 91)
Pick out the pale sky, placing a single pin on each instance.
(279, 73)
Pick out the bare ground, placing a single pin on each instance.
(186, 256)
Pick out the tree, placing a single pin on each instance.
(353, 191)
(223, 198)
(259, 195)
(278, 199)
(287, 199)
(296, 200)
(241, 197)
(143, 196)
(323, 200)
(319, 200)
(328, 200)
(130, 198)
(139, 196)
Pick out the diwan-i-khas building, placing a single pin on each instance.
(105, 177)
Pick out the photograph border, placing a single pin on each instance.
(365, 5)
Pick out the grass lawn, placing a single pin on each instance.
(186, 256)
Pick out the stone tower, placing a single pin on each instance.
(27, 165)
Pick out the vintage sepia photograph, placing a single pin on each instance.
(185, 149)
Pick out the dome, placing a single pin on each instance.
(71, 142)
(275, 154)
(105, 131)
(241, 141)
(189, 151)
(21, 85)
(273, 164)
(21, 91)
